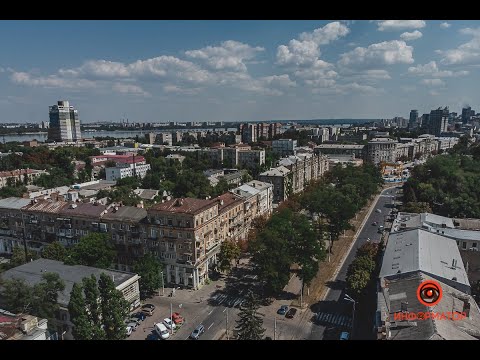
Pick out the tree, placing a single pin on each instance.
(94, 249)
(17, 295)
(18, 256)
(82, 327)
(45, 297)
(250, 324)
(357, 281)
(55, 251)
(417, 207)
(149, 269)
(94, 315)
(229, 250)
(114, 308)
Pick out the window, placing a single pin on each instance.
(189, 235)
(172, 267)
(180, 246)
(179, 235)
(170, 222)
(171, 246)
(474, 245)
(464, 245)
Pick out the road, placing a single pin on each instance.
(333, 303)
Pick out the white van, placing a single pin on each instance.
(162, 331)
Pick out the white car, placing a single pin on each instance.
(129, 330)
(169, 324)
(162, 331)
(378, 211)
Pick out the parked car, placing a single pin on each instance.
(199, 330)
(169, 324)
(140, 316)
(162, 331)
(135, 320)
(378, 211)
(132, 324)
(283, 310)
(345, 335)
(148, 309)
(129, 330)
(177, 318)
(153, 336)
(291, 313)
(374, 223)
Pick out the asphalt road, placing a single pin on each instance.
(334, 302)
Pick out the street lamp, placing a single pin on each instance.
(348, 298)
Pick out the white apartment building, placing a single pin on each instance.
(125, 170)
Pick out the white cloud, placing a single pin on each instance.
(431, 69)
(433, 82)
(282, 81)
(367, 75)
(129, 89)
(380, 54)
(306, 51)
(324, 35)
(52, 81)
(230, 55)
(467, 53)
(434, 93)
(169, 88)
(97, 69)
(445, 25)
(398, 25)
(409, 36)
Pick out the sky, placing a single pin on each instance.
(159, 71)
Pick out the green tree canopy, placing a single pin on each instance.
(149, 269)
(229, 251)
(94, 249)
(114, 308)
(54, 251)
(249, 322)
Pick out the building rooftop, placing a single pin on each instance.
(125, 213)
(102, 184)
(14, 203)
(146, 194)
(234, 175)
(467, 224)
(83, 209)
(19, 172)
(32, 273)
(184, 205)
(423, 220)
(404, 290)
(420, 250)
(47, 206)
(227, 201)
(259, 185)
(277, 171)
(340, 146)
(245, 191)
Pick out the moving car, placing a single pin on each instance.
(344, 335)
(169, 324)
(199, 330)
(374, 223)
(291, 313)
(378, 211)
(283, 310)
(162, 331)
(148, 309)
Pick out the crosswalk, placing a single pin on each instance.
(227, 300)
(334, 319)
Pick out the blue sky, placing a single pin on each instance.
(237, 70)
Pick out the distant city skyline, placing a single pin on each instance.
(161, 71)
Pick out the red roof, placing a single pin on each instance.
(17, 172)
(184, 205)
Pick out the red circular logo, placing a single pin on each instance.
(429, 293)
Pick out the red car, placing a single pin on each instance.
(177, 318)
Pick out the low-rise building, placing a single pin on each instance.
(32, 272)
(341, 149)
(20, 176)
(281, 179)
(22, 327)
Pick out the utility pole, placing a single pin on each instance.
(275, 328)
(226, 325)
(171, 318)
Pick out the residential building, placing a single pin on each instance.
(412, 123)
(467, 114)
(64, 123)
(175, 157)
(230, 224)
(164, 139)
(341, 149)
(412, 257)
(381, 150)
(151, 137)
(124, 170)
(181, 232)
(244, 157)
(32, 272)
(438, 121)
(263, 193)
(284, 147)
(20, 176)
(281, 179)
(22, 327)
(249, 133)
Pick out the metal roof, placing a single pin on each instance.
(32, 273)
(14, 203)
(277, 171)
(125, 213)
(420, 250)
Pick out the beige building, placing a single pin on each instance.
(21, 176)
